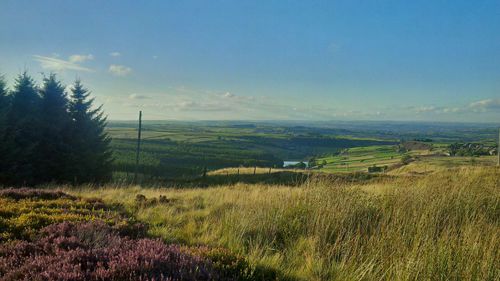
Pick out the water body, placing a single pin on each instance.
(291, 163)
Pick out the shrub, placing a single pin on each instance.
(142, 201)
(24, 193)
(25, 211)
(94, 251)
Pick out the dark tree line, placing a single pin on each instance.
(48, 135)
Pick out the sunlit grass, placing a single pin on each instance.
(442, 226)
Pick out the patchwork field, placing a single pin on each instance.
(358, 159)
(183, 150)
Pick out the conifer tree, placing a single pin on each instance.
(91, 153)
(54, 147)
(4, 106)
(22, 132)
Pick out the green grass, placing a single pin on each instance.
(440, 226)
(425, 165)
(360, 158)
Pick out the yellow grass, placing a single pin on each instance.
(441, 226)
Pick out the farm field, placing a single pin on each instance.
(425, 165)
(182, 150)
(402, 227)
(359, 159)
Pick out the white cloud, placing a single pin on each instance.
(190, 105)
(485, 105)
(138, 97)
(119, 70)
(426, 109)
(155, 57)
(80, 58)
(228, 95)
(56, 64)
(115, 54)
(481, 106)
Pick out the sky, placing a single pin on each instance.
(426, 60)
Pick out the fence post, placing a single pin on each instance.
(498, 148)
(138, 147)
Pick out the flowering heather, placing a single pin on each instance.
(94, 251)
(24, 193)
(68, 238)
(23, 212)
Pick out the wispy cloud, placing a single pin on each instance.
(80, 58)
(481, 106)
(228, 95)
(192, 105)
(57, 64)
(485, 105)
(119, 70)
(138, 97)
(115, 54)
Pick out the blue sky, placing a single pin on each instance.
(301, 60)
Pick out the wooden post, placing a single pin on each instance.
(254, 169)
(269, 170)
(138, 147)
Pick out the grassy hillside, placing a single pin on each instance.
(50, 235)
(439, 226)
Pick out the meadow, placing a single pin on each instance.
(443, 225)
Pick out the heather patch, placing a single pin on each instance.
(25, 211)
(50, 235)
(25, 193)
(95, 251)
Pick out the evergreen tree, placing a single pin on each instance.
(54, 147)
(22, 132)
(4, 106)
(91, 153)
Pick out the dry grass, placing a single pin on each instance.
(441, 226)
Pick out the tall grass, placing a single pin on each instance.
(441, 226)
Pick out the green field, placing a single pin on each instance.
(360, 158)
(183, 150)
